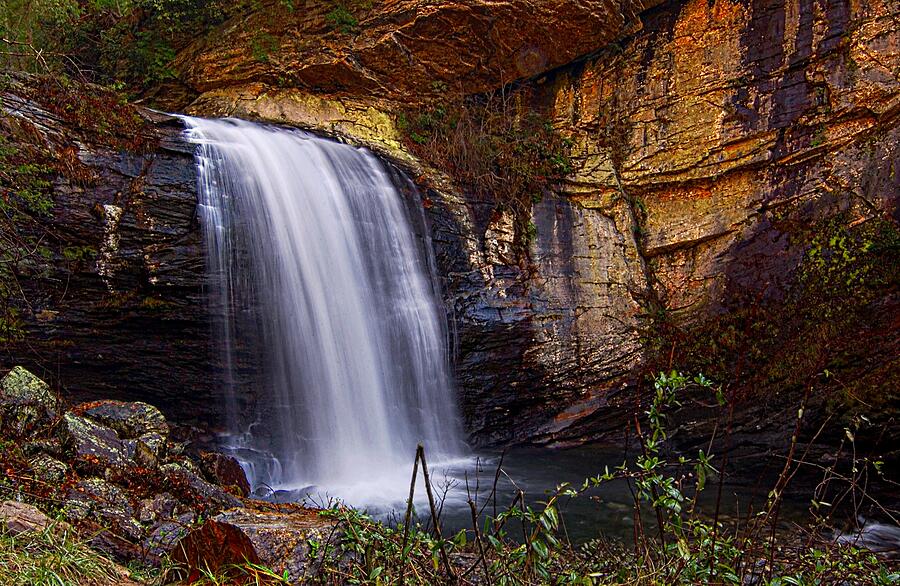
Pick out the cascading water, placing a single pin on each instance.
(324, 287)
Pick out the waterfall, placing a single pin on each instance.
(323, 286)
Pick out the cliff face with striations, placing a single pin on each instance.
(711, 139)
(112, 305)
(707, 134)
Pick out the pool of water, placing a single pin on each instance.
(606, 511)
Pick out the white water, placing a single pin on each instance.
(322, 285)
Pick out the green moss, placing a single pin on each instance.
(156, 303)
(25, 181)
(832, 319)
(79, 253)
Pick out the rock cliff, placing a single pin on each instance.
(709, 137)
(712, 140)
(107, 286)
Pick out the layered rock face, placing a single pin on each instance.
(730, 119)
(706, 134)
(402, 48)
(113, 305)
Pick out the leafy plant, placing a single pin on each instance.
(341, 19)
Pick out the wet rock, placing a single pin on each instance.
(279, 538)
(165, 534)
(201, 492)
(19, 517)
(129, 420)
(51, 445)
(141, 454)
(105, 503)
(225, 471)
(161, 506)
(880, 538)
(95, 448)
(212, 547)
(157, 443)
(25, 402)
(48, 469)
(128, 322)
(107, 541)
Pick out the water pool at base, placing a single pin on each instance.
(606, 511)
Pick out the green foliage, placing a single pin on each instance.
(341, 19)
(377, 551)
(79, 253)
(826, 319)
(24, 197)
(262, 45)
(246, 574)
(52, 557)
(845, 267)
(680, 546)
(133, 41)
(494, 148)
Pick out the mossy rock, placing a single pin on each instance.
(48, 469)
(129, 420)
(26, 402)
(98, 499)
(95, 448)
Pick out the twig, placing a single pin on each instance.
(437, 522)
(409, 507)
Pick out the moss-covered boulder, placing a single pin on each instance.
(141, 427)
(129, 420)
(104, 502)
(202, 494)
(95, 448)
(48, 469)
(26, 402)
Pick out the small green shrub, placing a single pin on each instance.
(341, 19)
(263, 45)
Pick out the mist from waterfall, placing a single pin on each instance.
(321, 284)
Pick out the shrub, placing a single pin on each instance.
(495, 149)
(341, 19)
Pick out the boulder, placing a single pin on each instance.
(103, 502)
(95, 448)
(26, 402)
(18, 517)
(46, 445)
(161, 506)
(225, 471)
(214, 547)
(285, 538)
(205, 495)
(165, 534)
(130, 420)
(48, 469)
(141, 454)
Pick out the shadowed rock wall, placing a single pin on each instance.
(115, 309)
